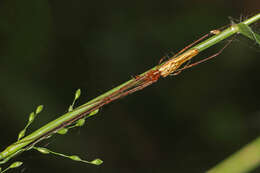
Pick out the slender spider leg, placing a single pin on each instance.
(203, 60)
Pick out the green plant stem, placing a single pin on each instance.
(225, 34)
(244, 160)
(29, 141)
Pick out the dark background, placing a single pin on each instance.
(184, 123)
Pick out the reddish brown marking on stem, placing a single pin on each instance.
(152, 75)
(139, 83)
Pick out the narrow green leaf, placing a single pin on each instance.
(257, 36)
(248, 32)
(0, 169)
